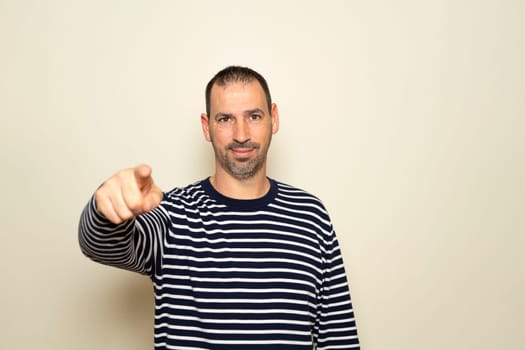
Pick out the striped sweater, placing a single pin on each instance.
(233, 274)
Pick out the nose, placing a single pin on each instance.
(241, 132)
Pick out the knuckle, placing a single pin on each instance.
(135, 207)
(123, 212)
(116, 220)
(133, 200)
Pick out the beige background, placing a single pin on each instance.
(406, 117)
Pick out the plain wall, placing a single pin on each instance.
(406, 117)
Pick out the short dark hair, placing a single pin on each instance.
(234, 74)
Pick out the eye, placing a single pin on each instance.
(224, 119)
(255, 116)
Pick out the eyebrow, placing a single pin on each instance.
(252, 111)
(246, 112)
(220, 115)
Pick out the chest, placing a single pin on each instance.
(254, 264)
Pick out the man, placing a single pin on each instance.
(238, 261)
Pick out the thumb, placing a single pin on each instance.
(152, 199)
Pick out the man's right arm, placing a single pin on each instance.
(122, 224)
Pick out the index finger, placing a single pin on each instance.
(142, 175)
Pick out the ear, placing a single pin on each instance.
(205, 126)
(275, 118)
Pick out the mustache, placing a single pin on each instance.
(247, 144)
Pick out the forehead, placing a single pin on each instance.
(237, 96)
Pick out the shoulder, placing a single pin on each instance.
(293, 192)
(189, 194)
(298, 197)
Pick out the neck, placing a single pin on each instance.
(255, 187)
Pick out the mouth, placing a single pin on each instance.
(242, 152)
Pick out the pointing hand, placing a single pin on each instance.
(128, 193)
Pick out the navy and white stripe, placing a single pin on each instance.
(234, 274)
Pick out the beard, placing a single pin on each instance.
(243, 168)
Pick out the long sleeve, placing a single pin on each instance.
(132, 245)
(335, 325)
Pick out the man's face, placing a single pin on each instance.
(240, 128)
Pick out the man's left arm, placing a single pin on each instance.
(335, 326)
